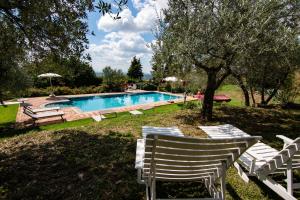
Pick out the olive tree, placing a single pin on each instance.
(212, 35)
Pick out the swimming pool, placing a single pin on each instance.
(92, 103)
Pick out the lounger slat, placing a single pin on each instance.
(281, 158)
(225, 157)
(182, 167)
(158, 170)
(193, 152)
(192, 146)
(190, 140)
(180, 163)
(181, 179)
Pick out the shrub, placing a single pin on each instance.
(147, 86)
(63, 90)
(191, 105)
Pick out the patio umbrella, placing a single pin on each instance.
(171, 79)
(50, 76)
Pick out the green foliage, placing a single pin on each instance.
(31, 29)
(13, 79)
(114, 79)
(63, 90)
(192, 105)
(56, 26)
(290, 90)
(216, 35)
(147, 86)
(135, 72)
(74, 71)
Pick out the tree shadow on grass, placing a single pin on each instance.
(74, 164)
(9, 130)
(263, 122)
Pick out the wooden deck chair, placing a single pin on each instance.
(173, 158)
(262, 161)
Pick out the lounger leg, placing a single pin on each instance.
(223, 181)
(276, 187)
(241, 172)
(289, 173)
(153, 190)
(147, 192)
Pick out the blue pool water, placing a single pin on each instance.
(93, 103)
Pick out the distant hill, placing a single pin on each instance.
(147, 76)
(98, 74)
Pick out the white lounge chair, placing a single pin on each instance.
(42, 115)
(173, 158)
(173, 130)
(41, 109)
(135, 112)
(262, 161)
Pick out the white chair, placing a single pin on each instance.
(173, 130)
(262, 161)
(35, 111)
(42, 115)
(177, 158)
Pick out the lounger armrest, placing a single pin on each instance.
(285, 139)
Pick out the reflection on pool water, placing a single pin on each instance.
(93, 103)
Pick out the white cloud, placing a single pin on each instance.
(144, 20)
(124, 36)
(117, 50)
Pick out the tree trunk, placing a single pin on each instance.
(252, 96)
(1, 99)
(263, 88)
(244, 89)
(207, 106)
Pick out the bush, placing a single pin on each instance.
(147, 86)
(191, 105)
(36, 92)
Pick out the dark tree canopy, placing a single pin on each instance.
(135, 71)
(57, 26)
(74, 72)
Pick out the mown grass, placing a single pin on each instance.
(234, 92)
(8, 114)
(95, 160)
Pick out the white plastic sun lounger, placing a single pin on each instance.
(43, 115)
(41, 109)
(173, 130)
(262, 161)
(135, 112)
(173, 158)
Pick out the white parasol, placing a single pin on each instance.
(49, 75)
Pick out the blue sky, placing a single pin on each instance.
(117, 41)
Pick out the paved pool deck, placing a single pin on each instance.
(73, 113)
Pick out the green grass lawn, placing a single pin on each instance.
(95, 160)
(8, 114)
(234, 92)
